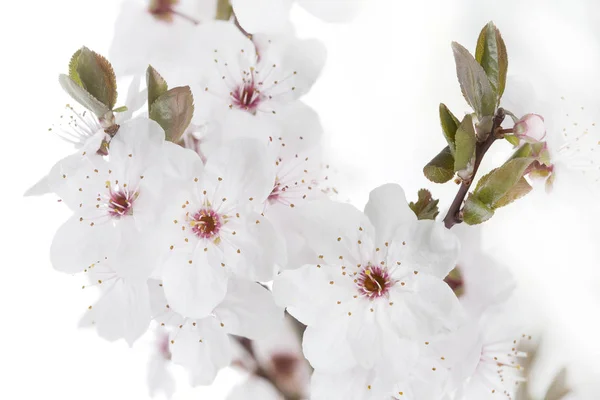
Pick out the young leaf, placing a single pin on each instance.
(516, 192)
(474, 82)
(96, 76)
(498, 183)
(465, 143)
(80, 95)
(425, 207)
(491, 54)
(475, 211)
(449, 125)
(224, 10)
(156, 84)
(173, 110)
(441, 168)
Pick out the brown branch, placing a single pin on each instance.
(453, 217)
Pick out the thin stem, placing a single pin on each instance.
(185, 16)
(453, 217)
(237, 24)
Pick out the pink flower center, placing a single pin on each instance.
(206, 223)
(374, 281)
(121, 203)
(247, 96)
(276, 192)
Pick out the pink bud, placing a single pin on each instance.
(531, 127)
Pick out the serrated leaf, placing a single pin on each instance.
(73, 68)
(449, 125)
(516, 192)
(495, 185)
(173, 111)
(465, 143)
(474, 82)
(425, 207)
(80, 95)
(156, 84)
(441, 168)
(492, 56)
(96, 76)
(475, 211)
(524, 151)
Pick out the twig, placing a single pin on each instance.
(453, 217)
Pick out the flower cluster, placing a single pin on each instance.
(203, 211)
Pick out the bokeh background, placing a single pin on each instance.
(378, 98)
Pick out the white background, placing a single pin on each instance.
(377, 98)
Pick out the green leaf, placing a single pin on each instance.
(491, 54)
(73, 68)
(425, 207)
(475, 211)
(120, 109)
(524, 151)
(449, 125)
(224, 10)
(156, 84)
(516, 192)
(465, 142)
(80, 95)
(498, 183)
(474, 82)
(95, 75)
(173, 110)
(512, 139)
(441, 168)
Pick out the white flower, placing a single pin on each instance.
(254, 388)
(483, 281)
(155, 32)
(376, 285)
(426, 380)
(213, 228)
(124, 308)
(273, 15)
(486, 357)
(88, 136)
(116, 198)
(159, 377)
(202, 345)
(248, 86)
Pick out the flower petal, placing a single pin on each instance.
(203, 348)
(332, 10)
(253, 16)
(249, 310)
(78, 244)
(425, 246)
(254, 388)
(192, 285)
(123, 311)
(387, 209)
(326, 346)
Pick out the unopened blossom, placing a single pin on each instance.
(113, 199)
(375, 286)
(202, 345)
(273, 15)
(245, 85)
(530, 127)
(213, 229)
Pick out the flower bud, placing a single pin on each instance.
(531, 128)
